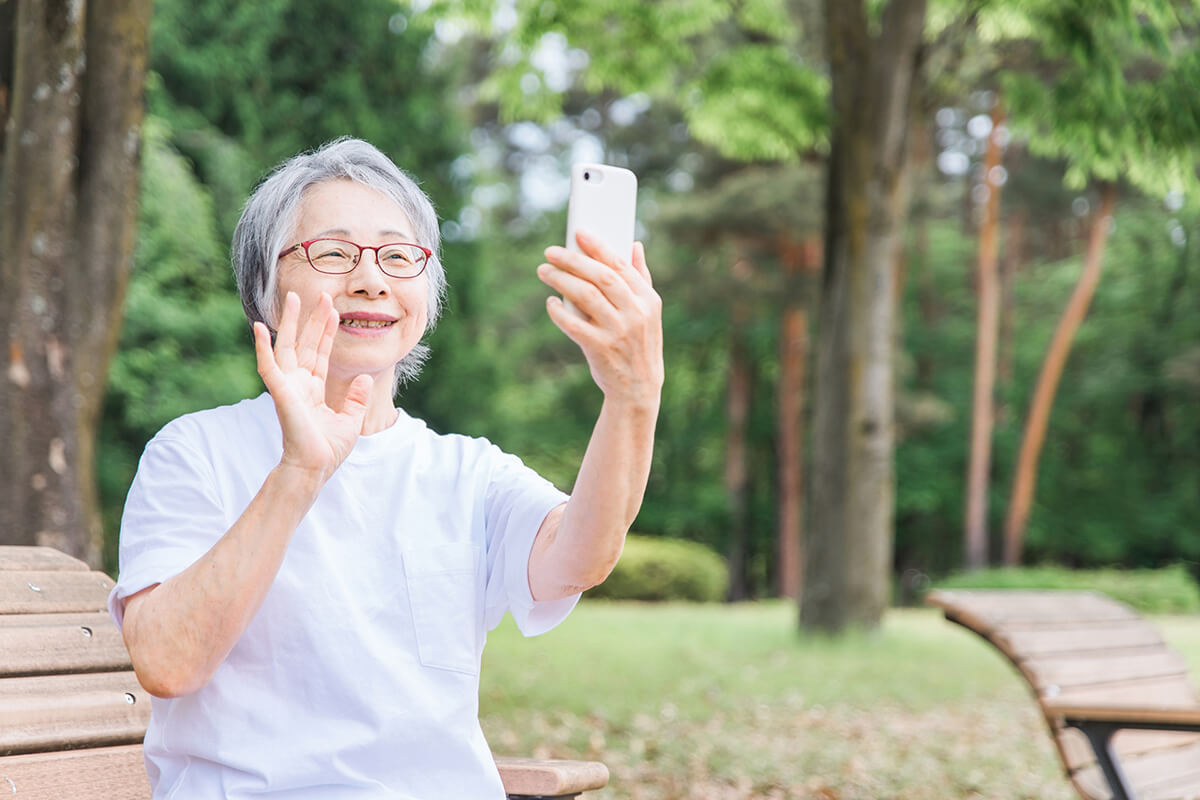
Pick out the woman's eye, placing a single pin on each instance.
(397, 257)
(331, 255)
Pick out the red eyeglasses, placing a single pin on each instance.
(339, 256)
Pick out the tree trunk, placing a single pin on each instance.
(1052, 368)
(1010, 265)
(979, 466)
(800, 260)
(737, 411)
(68, 201)
(848, 551)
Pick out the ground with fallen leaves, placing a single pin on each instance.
(730, 702)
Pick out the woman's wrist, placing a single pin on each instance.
(640, 404)
(301, 484)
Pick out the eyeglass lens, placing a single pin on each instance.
(338, 256)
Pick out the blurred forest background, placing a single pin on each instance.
(488, 109)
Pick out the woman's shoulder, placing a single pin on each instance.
(233, 422)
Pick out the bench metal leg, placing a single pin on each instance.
(1100, 735)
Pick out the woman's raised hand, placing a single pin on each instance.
(316, 437)
(621, 336)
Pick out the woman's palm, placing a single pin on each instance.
(315, 436)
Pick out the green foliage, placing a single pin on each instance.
(665, 569)
(282, 76)
(742, 110)
(737, 71)
(1170, 590)
(1120, 103)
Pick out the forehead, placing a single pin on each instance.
(346, 207)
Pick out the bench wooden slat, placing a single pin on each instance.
(986, 609)
(18, 558)
(1152, 692)
(112, 773)
(71, 711)
(1173, 773)
(530, 776)
(1077, 752)
(1022, 644)
(1087, 670)
(42, 644)
(52, 591)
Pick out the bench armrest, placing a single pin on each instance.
(536, 778)
(1150, 717)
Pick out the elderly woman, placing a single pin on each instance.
(307, 577)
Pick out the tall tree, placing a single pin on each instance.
(68, 194)
(800, 261)
(986, 336)
(1038, 418)
(1121, 105)
(738, 401)
(873, 82)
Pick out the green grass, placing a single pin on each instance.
(691, 701)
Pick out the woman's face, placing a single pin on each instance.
(382, 318)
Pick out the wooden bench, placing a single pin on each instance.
(73, 716)
(1119, 703)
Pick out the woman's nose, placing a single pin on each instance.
(367, 277)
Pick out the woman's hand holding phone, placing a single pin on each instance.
(619, 319)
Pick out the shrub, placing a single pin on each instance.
(655, 569)
(1169, 590)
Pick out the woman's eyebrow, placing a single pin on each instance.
(398, 235)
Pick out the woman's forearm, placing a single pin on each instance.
(578, 549)
(180, 631)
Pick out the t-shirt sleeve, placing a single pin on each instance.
(516, 503)
(172, 517)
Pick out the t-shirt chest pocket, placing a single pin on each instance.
(443, 591)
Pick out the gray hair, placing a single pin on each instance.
(269, 219)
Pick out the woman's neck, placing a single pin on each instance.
(381, 407)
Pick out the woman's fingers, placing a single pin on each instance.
(620, 262)
(577, 329)
(586, 296)
(321, 366)
(285, 337)
(267, 367)
(639, 263)
(609, 278)
(309, 338)
(357, 396)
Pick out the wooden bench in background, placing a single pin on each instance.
(1121, 707)
(73, 716)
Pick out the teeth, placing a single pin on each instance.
(366, 323)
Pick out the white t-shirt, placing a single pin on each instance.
(359, 676)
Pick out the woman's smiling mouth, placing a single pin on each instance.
(365, 323)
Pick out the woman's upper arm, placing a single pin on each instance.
(132, 610)
(542, 571)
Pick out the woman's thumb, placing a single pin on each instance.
(357, 396)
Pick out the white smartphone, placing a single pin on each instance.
(603, 202)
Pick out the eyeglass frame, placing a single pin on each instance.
(361, 249)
